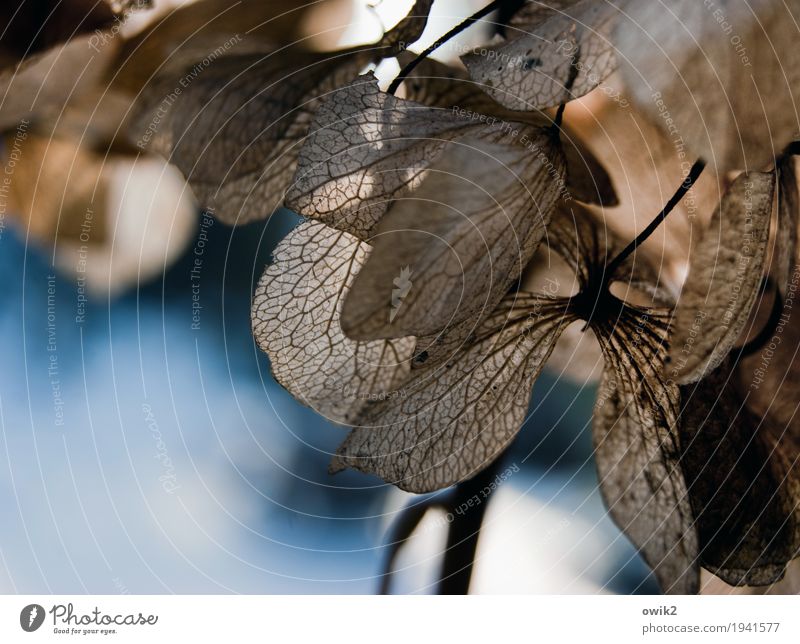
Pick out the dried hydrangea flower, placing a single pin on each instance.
(452, 420)
(454, 185)
(417, 209)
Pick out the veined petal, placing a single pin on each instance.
(296, 311)
(465, 235)
(738, 469)
(550, 58)
(637, 449)
(452, 421)
(724, 278)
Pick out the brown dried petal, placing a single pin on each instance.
(295, 318)
(533, 71)
(451, 422)
(365, 149)
(745, 513)
(637, 449)
(724, 278)
(465, 235)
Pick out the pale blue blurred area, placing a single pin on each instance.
(181, 466)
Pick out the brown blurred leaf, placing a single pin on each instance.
(234, 129)
(726, 81)
(56, 187)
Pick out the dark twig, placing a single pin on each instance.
(492, 6)
(573, 75)
(402, 529)
(465, 528)
(688, 182)
(559, 117)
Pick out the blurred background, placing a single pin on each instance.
(145, 447)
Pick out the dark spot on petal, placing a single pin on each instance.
(531, 63)
(420, 358)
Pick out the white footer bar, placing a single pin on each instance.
(389, 620)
